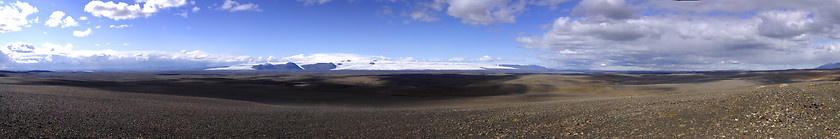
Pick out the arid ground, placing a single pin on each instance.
(226, 104)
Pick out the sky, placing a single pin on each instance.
(562, 34)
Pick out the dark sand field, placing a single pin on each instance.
(778, 104)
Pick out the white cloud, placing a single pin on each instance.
(34, 20)
(18, 48)
(14, 16)
(735, 6)
(120, 26)
(158, 4)
(489, 58)
(116, 11)
(786, 24)
(121, 10)
(3, 59)
(386, 11)
(313, 2)
(551, 3)
(69, 22)
(234, 6)
(612, 9)
(82, 33)
(485, 58)
(423, 16)
(195, 9)
(182, 14)
(49, 48)
(55, 19)
(423, 11)
(83, 18)
(486, 12)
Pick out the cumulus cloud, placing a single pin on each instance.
(116, 11)
(777, 37)
(82, 33)
(122, 10)
(613, 9)
(57, 18)
(69, 22)
(786, 24)
(234, 6)
(13, 16)
(486, 12)
(195, 9)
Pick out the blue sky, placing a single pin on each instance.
(564, 34)
(287, 27)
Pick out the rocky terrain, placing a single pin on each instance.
(771, 104)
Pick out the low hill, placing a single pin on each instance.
(830, 66)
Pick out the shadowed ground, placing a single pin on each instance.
(375, 105)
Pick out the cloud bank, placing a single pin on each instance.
(471, 12)
(48, 56)
(25, 56)
(707, 35)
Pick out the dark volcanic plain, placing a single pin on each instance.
(353, 104)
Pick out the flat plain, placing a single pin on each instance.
(421, 104)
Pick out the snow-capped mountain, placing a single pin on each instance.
(371, 65)
(316, 62)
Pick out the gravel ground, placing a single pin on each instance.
(801, 110)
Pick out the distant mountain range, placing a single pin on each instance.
(380, 65)
(829, 66)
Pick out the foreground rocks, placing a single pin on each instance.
(799, 110)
